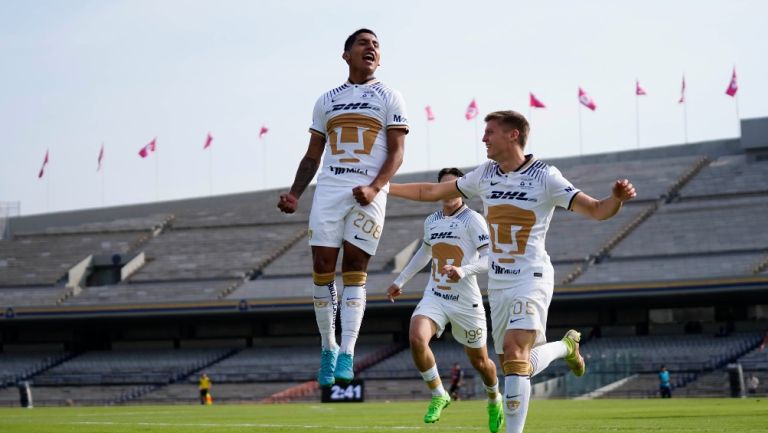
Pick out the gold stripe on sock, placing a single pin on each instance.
(354, 278)
(323, 279)
(517, 367)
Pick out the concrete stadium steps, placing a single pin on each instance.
(729, 175)
(652, 178)
(144, 293)
(128, 367)
(17, 366)
(30, 296)
(688, 267)
(210, 253)
(722, 225)
(129, 224)
(574, 237)
(46, 259)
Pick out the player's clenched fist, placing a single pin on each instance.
(623, 190)
(288, 203)
(364, 195)
(393, 292)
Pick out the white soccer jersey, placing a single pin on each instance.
(518, 208)
(354, 118)
(454, 240)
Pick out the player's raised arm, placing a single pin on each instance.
(603, 209)
(425, 191)
(308, 166)
(364, 195)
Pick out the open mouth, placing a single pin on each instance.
(370, 57)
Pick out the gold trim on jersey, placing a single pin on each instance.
(509, 227)
(351, 129)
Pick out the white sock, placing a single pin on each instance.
(491, 390)
(517, 393)
(352, 309)
(542, 356)
(326, 305)
(431, 375)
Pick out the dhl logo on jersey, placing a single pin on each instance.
(510, 195)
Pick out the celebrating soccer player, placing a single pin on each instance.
(520, 194)
(456, 243)
(361, 127)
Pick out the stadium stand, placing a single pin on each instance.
(697, 217)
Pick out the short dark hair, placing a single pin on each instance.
(513, 120)
(353, 37)
(453, 170)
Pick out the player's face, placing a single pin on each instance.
(497, 140)
(451, 202)
(364, 55)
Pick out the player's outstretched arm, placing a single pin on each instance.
(308, 166)
(424, 191)
(422, 257)
(364, 195)
(603, 209)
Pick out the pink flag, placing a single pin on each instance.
(208, 141)
(586, 100)
(149, 148)
(263, 131)
(101, 157)
(639, 91)
(535, 102)
(45, 162)
(472, 110)
(733, 86)
(682, 92)
(430, 114)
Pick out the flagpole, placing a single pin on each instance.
(477, 148)
(157, 173)
(102, 186)
(48, 192)
(738, 118)
(685, 119)
(264, 162)
(210, 171)
(428, 147)
(637, 118)
(581, 140)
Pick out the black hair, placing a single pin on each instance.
(453, 170)
(353, 37)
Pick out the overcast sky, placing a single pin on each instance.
(76, 74)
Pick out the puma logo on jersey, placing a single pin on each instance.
(510, 195)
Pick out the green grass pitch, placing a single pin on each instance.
(624, 416)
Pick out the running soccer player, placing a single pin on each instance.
(456, 243)
(358, 129)
(519, 196)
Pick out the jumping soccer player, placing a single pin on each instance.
(358, 129)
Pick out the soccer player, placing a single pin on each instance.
(519, 195)
(358, 129)
(456, 243)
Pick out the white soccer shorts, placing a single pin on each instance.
(336, 217)
(522, 307)
(468, 324)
